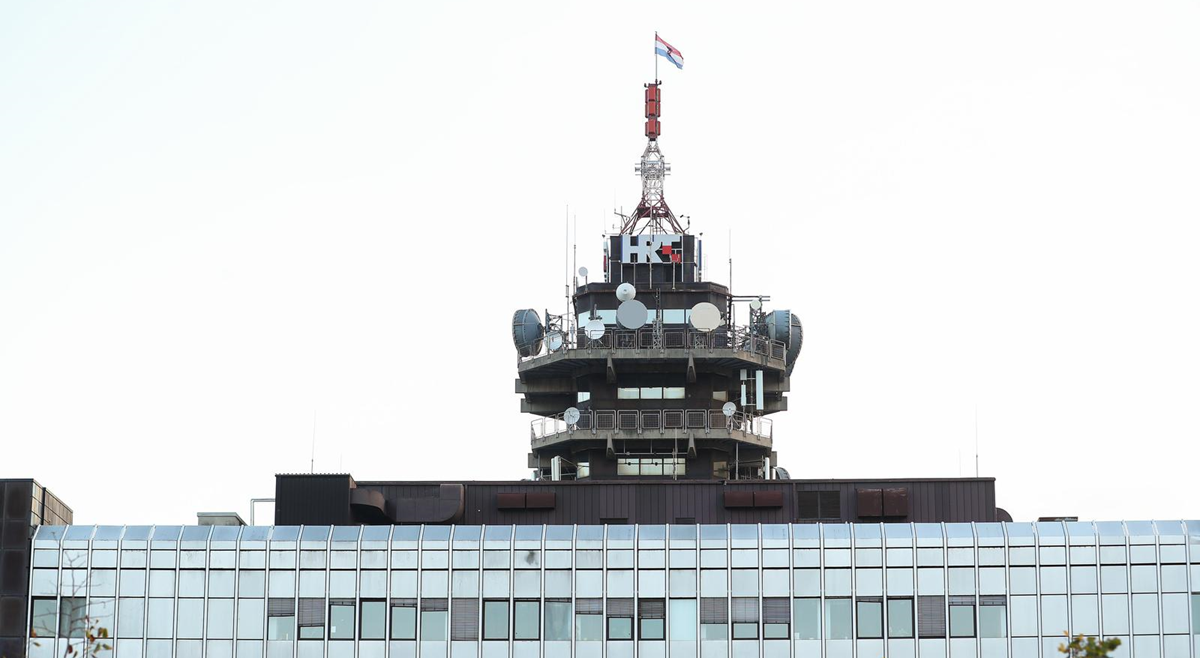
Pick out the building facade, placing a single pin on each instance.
(24, 505)
(953, 590)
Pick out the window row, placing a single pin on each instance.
(595, 619)
(1078, 557)
(955, 581)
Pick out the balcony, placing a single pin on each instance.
(738, 344)
(603, 425)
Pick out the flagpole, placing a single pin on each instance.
(656, 56)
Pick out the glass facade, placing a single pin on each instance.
(985, 590)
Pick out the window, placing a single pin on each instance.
(341, 619)
(281, 619)
(404, 619)
(583, 396)
(900, 618)
(992, 622)
(674, 393)
(652, 392)
(589, 620)
(463, 619)
(558, 620)
(1196, 614)
(962, 620)
(806, 619)
(776, 617)
(43, 618)
(931, 616)
(372, 620)
(526, 620)
(870, 619)
(652, 466)
(819, 505)
(837, 619)
(311, 617)
(620, 619)
(495, 620)
(651, 619)
(745, 618)
(683, 620)
(714, 619)
(625, 393)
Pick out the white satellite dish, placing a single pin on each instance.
(631, 314)
(756, 304)
(594, 330)
(571, 415)
(729, 409)
(626, 292)
(706, 316)
(583, 271)
(554, 341)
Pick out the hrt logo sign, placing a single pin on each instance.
(652, 249)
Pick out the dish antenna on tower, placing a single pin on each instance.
(571, 416)
(594, 329)
(631, 314)
(729, 409)
(706, 316)
(626, 292)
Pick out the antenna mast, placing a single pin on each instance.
(652, 215)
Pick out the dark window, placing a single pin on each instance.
(72, 617)
(819, 505)
(776, 618)
(620, 619)
(931, 616)
(281, 619)
(714, 619)
(311, 617)
(651, 619)
(438, 621)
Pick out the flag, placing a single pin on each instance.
(667, 50)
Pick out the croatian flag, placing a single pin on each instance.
(667, 50)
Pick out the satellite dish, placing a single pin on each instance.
(554, 341)
(756, 304)
(706, 316)
(583, 271)
(631, 314)
(626, 292)
(594, 330)
(779, 325)
(729, 409)
(795, 341)
(571, 415)
(527, 332)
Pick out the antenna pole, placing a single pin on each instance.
(312, 460)
(977, 440)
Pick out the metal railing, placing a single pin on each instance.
(645, 421)
(739, 339)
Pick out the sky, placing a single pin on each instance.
(227, 228)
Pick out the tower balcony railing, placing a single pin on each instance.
(651, 421)
(647, 339)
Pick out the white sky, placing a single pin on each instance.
(218, 217)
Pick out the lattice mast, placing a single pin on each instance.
(652, 215)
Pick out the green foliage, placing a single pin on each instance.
(1088, 647)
